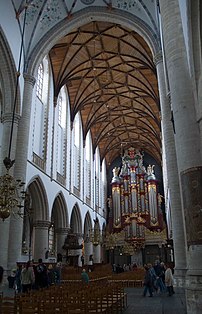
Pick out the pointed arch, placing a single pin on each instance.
(75, 220)
(87, 226)
(83, 17)
(59, 212)
(39, 200)
(8, 76)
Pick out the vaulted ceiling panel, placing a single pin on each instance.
(111, 80)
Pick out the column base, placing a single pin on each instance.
(194, 292)
(180, 277)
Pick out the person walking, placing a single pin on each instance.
(147, 282)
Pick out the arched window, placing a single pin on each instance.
(77, 154)
(39, 82)
(103, 188)
(1, 113)
(40, 116)
(62, 136)
(97, 179)
(88, 163)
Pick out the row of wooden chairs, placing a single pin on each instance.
(69, 298)
(128, 283)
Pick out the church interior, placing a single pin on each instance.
(100, 136)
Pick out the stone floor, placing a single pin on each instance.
(158, 304)
(137, 304)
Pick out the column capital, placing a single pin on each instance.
(158, 57)
(31, 79)
(62, 230)
(8, 117)
(42, 224)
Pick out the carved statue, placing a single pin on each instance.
(150, 170)
(115, 171)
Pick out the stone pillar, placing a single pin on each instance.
(23, 129)
(5, 225)
(187, 141)
(88, 250)
(16, 224)
(40, 239)
(97, 254)
(177, 217)
(61, 234)
(79, 251)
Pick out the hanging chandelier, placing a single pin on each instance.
(95, 235)
(12, 192)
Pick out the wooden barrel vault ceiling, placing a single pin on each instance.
(111, 80)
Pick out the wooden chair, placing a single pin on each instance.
(7, 305)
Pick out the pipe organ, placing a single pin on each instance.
(136, 203)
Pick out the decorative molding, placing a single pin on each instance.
(37, 160)
(29, 78)
(87, 2)
(62, 230)
(61, 179)
(158, 58)
(42, 224)
(7, 117)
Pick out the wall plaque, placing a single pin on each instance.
(191, 180)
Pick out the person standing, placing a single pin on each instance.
(84, 277)
(18, 278)
(58, 272)
(1, 274)
(41, 276)
(27, 278)
(169, 280)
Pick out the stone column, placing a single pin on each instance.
(79, 251)
(24, 126)
(187, 141)
(88, 250)
(4, 225)
(97, 254)
(172, 175)
(16, 224)
(61, 234)
(40, 239)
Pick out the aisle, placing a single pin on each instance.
(158, 304)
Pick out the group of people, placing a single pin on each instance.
(158, 278)
(117, 268)
(31, 276)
